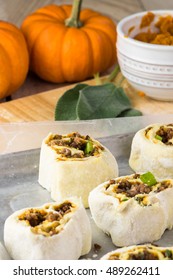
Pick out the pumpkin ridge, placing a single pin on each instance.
(50, 10)
(33, 49)
(5, 87)
(79, 67)
(60, 62)
(67, 10)
(87, 14)
(102, 22)
(36, 21)
(29, 39)
(43, 17)
(107, 34)
(15, 32)
(91, 53)
(42, 30)
(92, 46)
(112, 57)
(13, 45)
(14, 59)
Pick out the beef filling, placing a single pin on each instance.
(36, 217)
(129, 188)
(114, 257)
(144, 255)
(166, 133)
(163, 185)
(132, 189)
(147, 130)
(73, 140)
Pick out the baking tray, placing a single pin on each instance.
(19, 187)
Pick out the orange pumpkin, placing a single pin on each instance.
(14, 59)
(64, 50)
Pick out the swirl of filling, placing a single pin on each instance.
(49, 220)
(74, 146)
(145, 252)
(162, 134)
(132, 187)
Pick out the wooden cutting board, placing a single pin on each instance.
(41, 107)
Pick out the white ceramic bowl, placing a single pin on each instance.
(147, 67)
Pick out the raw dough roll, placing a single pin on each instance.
(152, 150)
(141, 252)
(57, 231)
(3, 253)
(132, 212)
(72, 165)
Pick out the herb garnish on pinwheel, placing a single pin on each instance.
(73, 164)
(133, 209)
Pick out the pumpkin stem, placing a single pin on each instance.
(97, 79)
(113, 74)
(73, 20)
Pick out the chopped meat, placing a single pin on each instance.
(166, 133)
(111, 182)
(51, 217)
(163, 185)
(148, 129)
(63, 209)
(65, 152)
(136, 176)
(132, 189)
(123, 185)
(76, 141)
(144, 255)
(87, 137)
(34, 217)
(57, 136)
(66, 207)
(77, 155)
(114, 257)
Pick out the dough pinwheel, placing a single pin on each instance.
(133, 209)
(3, 253)
(152, 149)
(72, 165)
(141, 252)
(43, 232)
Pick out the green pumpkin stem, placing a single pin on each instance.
(73, 20)
(113, 74)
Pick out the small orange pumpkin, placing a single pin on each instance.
(14, 58)
(64, 49)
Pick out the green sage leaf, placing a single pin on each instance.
(130, 113)
(66, 106)
(85, 102)
(103, 101)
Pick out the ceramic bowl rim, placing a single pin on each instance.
(138, 43)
